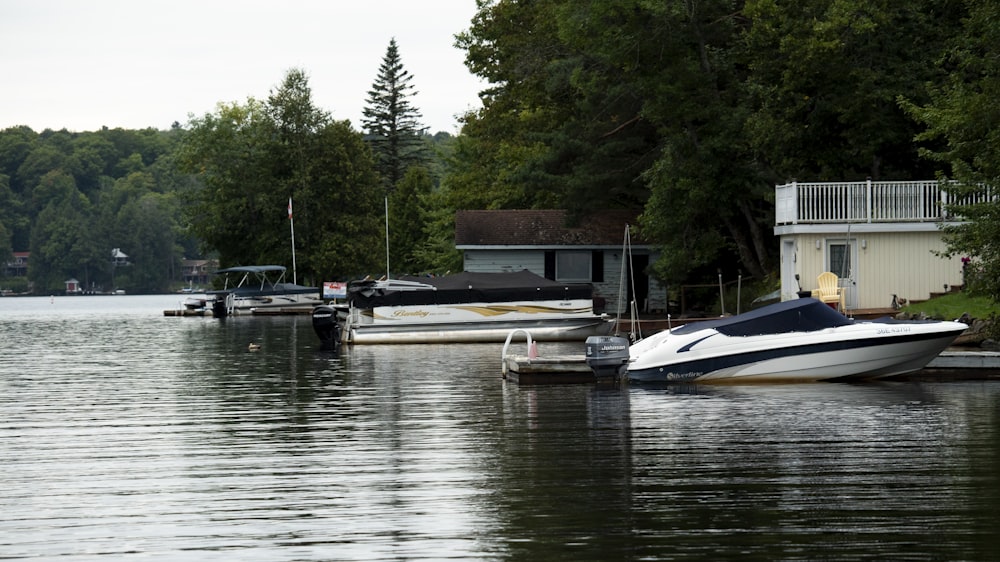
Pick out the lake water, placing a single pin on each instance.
(125, 434)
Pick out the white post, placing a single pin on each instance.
(387, 276)
(868, 202)
(291, 223)
(722, 296)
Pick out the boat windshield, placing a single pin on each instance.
(799, 315)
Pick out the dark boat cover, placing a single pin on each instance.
(467, 287)
(798, 315)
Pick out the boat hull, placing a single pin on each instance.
(571, 329)
(246, 302)
(196, 303)
(466, 307)
(278, 301)
(865, 351)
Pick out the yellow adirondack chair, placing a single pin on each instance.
(828, 291)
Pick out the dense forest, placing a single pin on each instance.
(70, 198)
(687, 111)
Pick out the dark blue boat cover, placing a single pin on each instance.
(798, 315)
(468, 287)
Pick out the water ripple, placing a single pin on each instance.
(125, 433)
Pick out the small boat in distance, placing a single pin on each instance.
(465, 307)
(795, 340)
(258, 287)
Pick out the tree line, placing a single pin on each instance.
(692, 111)
(689, 112)
(71, 198)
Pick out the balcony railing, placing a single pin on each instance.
(867, 201)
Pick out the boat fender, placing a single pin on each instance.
(533, 350)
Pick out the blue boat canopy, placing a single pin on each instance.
(798, 315)
(252, 269)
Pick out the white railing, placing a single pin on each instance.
(867, 201)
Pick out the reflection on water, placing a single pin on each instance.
(125, 432)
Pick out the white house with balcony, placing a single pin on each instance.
(880, 238)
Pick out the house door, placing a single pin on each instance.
(842, 259)
(639, 281)
(789, 285)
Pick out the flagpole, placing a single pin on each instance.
(387, 238)
(291, 223)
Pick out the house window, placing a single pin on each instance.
(573, 267)
(840, 259)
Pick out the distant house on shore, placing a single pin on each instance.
(542, 242)
(118, 258)
(880, 238)
(18, 266)
(73, 287)
(198, 272)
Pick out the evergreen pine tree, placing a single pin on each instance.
(392, 123)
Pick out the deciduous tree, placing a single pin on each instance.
(963, 129)
(691, 110)
(252, 158)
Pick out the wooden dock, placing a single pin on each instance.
(952, 364)
(553, 369)
(293, 311)
(187, 312)
(253, 312)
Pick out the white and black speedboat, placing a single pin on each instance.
(259, 287)
(796, 340)
(464, 307)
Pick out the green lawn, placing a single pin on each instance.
(953, 305)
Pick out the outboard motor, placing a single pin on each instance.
(220, 309)
(326, 326)
(607, 356)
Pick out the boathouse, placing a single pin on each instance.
(73, 287)
(543, 242)
(881, 239)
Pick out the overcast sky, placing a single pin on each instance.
(85, 64)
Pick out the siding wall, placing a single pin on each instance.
(608, 289)
(534, 261)
(490, 261)
(890, 263)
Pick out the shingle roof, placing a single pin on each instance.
(540, 227)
